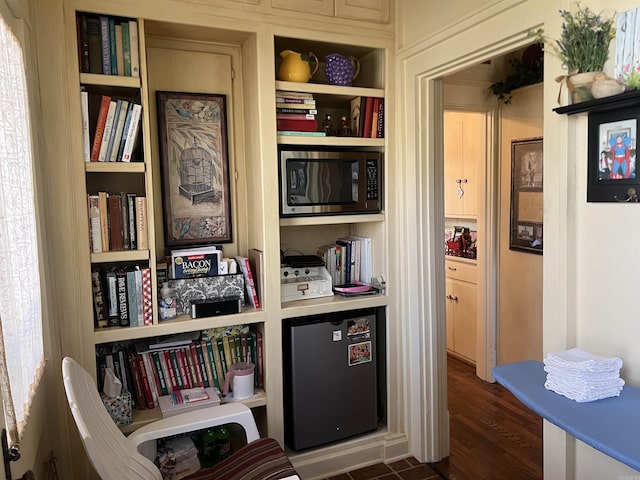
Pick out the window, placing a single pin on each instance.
(21, 344)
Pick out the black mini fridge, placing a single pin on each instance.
(330, 377)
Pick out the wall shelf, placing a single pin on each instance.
(614, 102)
(609, 425)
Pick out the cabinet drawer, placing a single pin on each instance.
(460, 271)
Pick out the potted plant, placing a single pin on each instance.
(583, 48)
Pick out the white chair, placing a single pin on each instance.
(117, 457)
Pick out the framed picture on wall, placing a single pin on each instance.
(195, 168)
(612, 172)
(525, 233)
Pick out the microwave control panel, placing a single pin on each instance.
(372, 180)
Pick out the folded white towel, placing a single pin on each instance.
(579, 360)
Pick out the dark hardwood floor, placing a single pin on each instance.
(493, 435)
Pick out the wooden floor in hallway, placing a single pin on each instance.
(493, 435)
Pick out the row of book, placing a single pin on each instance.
(107, 45)
(367, 117)
(117, 222)
(349, 260)
(150, 371)
(116, 130)
(122, 296)
(295, 113)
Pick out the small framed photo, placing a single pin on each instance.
(195, 168)
(526, 195)
(612, 175)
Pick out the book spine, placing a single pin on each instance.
(133, 44)
(124, 220)
(312, 111)
(104, 45)
(99, 304)
(123, 307)
(295, 116)
(117, 132)
(289, 100)
(216, 365)
(176, 368)
(125, 129)
(227, 352)
(195, 366)
(84, 43)
(147, 299)
(259, 357)
(380, 132)
(374, 118)
(119, 50)
(104, 146)
(148, 396)
(221, 358)
(137, 382)
(112, 46)
(86, 141)
(300, 125)
(139, 298)
(112, 289)
(170, 371)
(160, 373)
(132, 132)
(250, 286)
(131, 216)
(204, 369)
(253, 350)
(302, 107)
(105, 102)
(151, 377)
(93, 204)
(368, 116)
(126, 49)
(165, 371)
(132, 298)
(142, 237)
(115, 223)
(210, 364)
(95, 49)
(185, 375)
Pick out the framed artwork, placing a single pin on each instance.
(525, 233)
(195, 168)
(612, 175)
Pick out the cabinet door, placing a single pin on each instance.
(450, 312)
(372, 10)
(319, 7)
(465, 319)
(453, 134)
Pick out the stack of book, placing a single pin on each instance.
(117, 222)
(367, 117)
(122, 296)
(107, 45)
(348, 260)
(153, 370)
(296, 113)
(115, 133)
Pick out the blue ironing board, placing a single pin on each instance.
(611, 425)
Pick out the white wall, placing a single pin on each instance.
(589, 298)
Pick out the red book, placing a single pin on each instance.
(299, 125)
(185, 374)
(137, 382)
(195, 365)
(250, 286)
(145, 382)
(368, 116)
(374, 118)
(102, 120)
(147, 302)
(173, 383)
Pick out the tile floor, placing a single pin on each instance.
(407, 469)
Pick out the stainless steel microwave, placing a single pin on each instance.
(329, 181)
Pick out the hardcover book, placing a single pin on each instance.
(188, 399)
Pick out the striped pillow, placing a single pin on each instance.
(262, 459)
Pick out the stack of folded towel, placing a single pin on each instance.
(581, 376)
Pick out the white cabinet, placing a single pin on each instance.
(464, 149)
(461, 308)
(368, 10)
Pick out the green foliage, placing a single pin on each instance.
(584, 43)
(523, 75)
(632, 79)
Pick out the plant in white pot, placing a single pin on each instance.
(583, 48)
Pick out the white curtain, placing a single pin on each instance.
(21, 345)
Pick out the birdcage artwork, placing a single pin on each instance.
(194, 161)
(197, 174)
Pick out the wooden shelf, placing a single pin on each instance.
(614, 102)
(330, 220)
(114, 167)
(335, 303)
